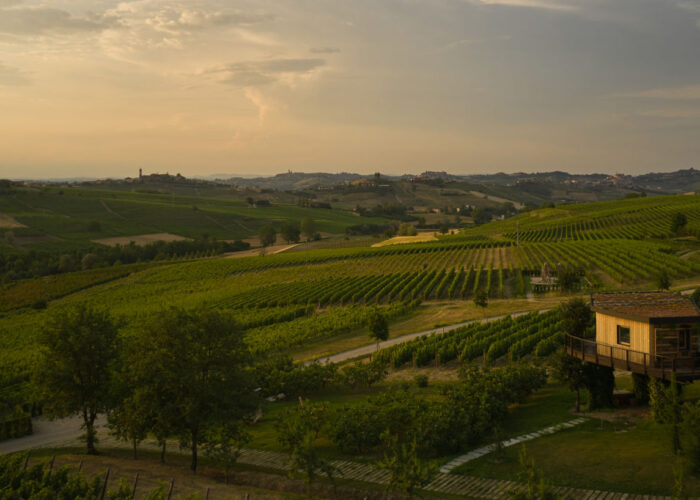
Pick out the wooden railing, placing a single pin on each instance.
(620, 358)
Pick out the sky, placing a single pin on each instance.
(102, 88)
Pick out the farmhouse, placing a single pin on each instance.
(651, 333)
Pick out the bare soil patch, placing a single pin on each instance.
(7, 222)
(139, 239)
(253, 252)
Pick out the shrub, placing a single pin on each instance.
(421, 380)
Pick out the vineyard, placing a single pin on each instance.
(538, 334)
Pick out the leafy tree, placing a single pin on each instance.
(407, 229)
(267, 235)
(481, 298)
(569, 370)
(444, 228)
(600, 383)
(129, 422)
(65, 263)
(224, 444)
(569, 278)
(199, 360)
(408, 472)
(290, 231)
(576, 317)
(88, 261)
(678, 222)
(378, 326)
(297, 431)
(79, 352)
(663, 281)
(696, 296)
(308, 228)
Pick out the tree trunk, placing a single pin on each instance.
(89, 422)
(193, 467)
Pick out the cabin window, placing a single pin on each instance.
(683, 339)
(623, 335)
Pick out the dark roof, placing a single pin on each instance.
(654, 307)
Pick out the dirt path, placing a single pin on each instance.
(254, 252)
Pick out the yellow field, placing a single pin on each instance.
(400, 240)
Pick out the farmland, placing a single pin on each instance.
(317, 299)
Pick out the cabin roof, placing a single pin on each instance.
(652, 307)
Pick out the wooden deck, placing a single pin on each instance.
(686, 368)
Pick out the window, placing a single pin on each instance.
(684, 338)
(623, 335)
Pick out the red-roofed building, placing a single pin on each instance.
(653, 333)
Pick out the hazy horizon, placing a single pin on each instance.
(99, 89)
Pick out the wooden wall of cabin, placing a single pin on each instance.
(667, 337)
(640, 337)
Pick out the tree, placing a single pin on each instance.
(678, 222)
(569, 370)
(308, 228)
(89, 261)
(663, 281)
(407, 229)
(297, 431)
(569, 278)
(696, 296)
(79, 353)
(65, 263)
(408, 472)
(267, 235)
(199, 361)
(224, 444)
(481, 298)
(444, 228)
(378, 326)
(290, 231)
(576, 317)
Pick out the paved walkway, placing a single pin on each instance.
(366, 350)
(485, 450)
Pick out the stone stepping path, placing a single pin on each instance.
(485, 450)
(452, 484)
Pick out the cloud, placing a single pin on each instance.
(41, 20)
(9, 3)
(324, 50)
(537, 4)
(171, 20)
(12, 76)
(259, 73)
(687, 93)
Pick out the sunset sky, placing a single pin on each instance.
(101, 88)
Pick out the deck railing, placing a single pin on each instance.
(620, 358)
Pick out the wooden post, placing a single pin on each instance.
(133, 490)
(413, 356)
(206, 496)
(104, 486)
(53, 458)
(437, 359)
(80, 465)
(170, 491)
(26, 462)
(627, 352)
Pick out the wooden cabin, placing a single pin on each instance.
(652, 333)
